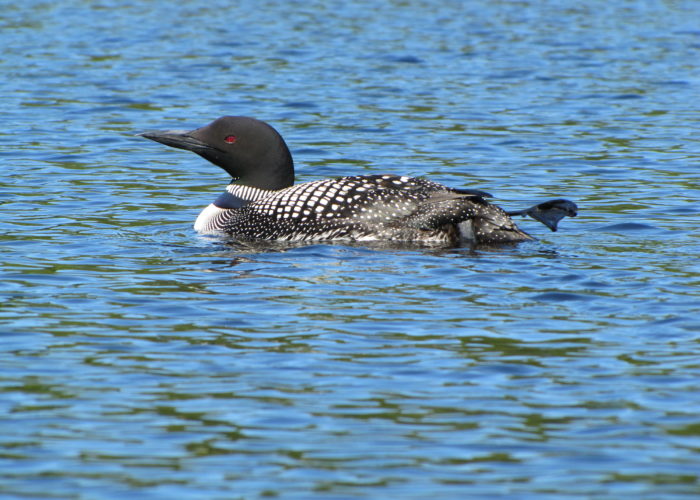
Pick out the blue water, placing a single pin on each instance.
(140, 360)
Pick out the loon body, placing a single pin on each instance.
(263, 203)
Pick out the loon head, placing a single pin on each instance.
(251, 151)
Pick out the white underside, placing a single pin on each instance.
(466, 230)
(205, 221)
(210, 220)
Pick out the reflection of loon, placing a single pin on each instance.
(262, 201)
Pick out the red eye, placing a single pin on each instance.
(230, 139)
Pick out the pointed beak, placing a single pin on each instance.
(179, 139)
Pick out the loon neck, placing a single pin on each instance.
(271, 169)
(272, 179)
(237, 196)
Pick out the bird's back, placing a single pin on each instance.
(368, 208)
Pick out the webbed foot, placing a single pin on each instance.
(550, 212)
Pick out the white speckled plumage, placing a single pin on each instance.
(363, 208)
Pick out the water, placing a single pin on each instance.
(142, 360)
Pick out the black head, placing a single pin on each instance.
(251, 151)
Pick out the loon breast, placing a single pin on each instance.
(213, 218)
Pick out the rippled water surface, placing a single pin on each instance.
(140, 360)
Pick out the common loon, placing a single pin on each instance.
(262, 202)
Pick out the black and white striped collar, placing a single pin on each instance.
(237, 196)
